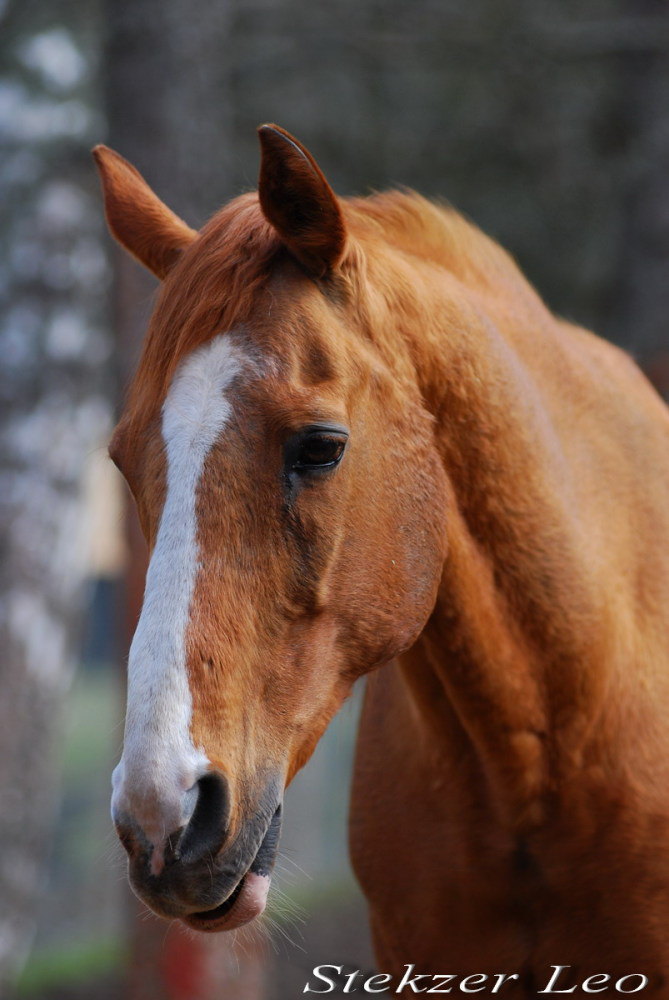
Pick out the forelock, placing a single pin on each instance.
(213, 287)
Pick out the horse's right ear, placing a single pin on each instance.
(137, 218)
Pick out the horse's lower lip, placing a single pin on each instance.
(246, 902)
(222, 909)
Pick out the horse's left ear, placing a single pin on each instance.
(298, 201)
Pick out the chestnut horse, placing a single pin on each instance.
(359, 445)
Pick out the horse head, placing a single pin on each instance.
(283, 463)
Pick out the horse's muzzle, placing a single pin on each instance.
(200, 875)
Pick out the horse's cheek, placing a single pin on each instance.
(419, 554)
(384, 618)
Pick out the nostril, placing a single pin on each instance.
(130, 835)
(126, 838)
(207, 827)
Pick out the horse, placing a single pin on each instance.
(360, 445)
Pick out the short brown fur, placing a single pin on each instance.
(500, 529)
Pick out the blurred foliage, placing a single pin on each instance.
(71, 966)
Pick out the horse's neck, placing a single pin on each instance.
(517, 639)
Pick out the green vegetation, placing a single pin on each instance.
(74, 965)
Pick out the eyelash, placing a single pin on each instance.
(316, 451)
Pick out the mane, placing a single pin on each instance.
(434, 231)
(215, 284)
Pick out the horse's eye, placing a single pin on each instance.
(318, 450)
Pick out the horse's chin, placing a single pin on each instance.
(246, 902)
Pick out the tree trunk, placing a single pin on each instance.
(54, 411)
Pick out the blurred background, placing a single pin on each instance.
(546, 121)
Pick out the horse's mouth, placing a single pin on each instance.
(249, 897)
(246, 902)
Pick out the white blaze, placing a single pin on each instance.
(160, 764)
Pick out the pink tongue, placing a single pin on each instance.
(251, 901)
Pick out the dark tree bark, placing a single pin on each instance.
(641, 303)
